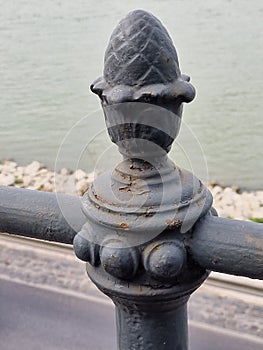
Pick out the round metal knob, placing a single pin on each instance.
(164, 260)
(86, 250)
(119, 261)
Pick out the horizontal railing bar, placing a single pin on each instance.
(40, 215)
(218, 244)
(230, 246)
(227, 282)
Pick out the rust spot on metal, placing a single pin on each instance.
(249, 239)
(124, 176)
(124, 225)
(125, 189)
(173, 223)
(148, 212)
(103, 200)
(99, 198)
(133, 178)
(132, 166)
(259, 244)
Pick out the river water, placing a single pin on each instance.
(51, 51)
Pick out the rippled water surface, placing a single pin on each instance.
(51, 51)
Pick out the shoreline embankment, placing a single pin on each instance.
(229, 201)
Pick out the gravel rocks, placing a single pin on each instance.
(228, 201)
(231, 204)
(35, 176)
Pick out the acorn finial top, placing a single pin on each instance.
(141, 64)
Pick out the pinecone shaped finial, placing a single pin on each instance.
(141, 64)
(140, 52)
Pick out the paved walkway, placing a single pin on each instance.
(61, 270)
(37, 319)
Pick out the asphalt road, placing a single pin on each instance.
(36, 319)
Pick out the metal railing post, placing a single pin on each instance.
(146, 228)
(139, 213)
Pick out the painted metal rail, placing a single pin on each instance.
(39, 214)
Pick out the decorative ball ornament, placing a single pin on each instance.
(85, 250)
(164, 260)
(119, 261)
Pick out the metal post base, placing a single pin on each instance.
(145, 326)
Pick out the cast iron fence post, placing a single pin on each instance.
(140, 213)
(146, 229)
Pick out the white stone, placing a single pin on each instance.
(91, 177)
(32, 168)
(228, 191)
(41, 172)
(44, 176)
(20, 171)
(82, 186)
(65, 184)
(10, 163)
(227, 199)
(259, 195)
(37, 185)
(27, 179)
(216, 190)
(7, 180)
(80, 174)
(64, 171)
(9, 167)
(48, 187)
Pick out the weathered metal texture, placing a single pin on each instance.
(158, 325)
(141, 64)
(139, 212)
(229, 246)
(41, 215)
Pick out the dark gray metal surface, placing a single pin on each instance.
(138, 212)
(229, 246)
(152, 325)
(42, 215)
